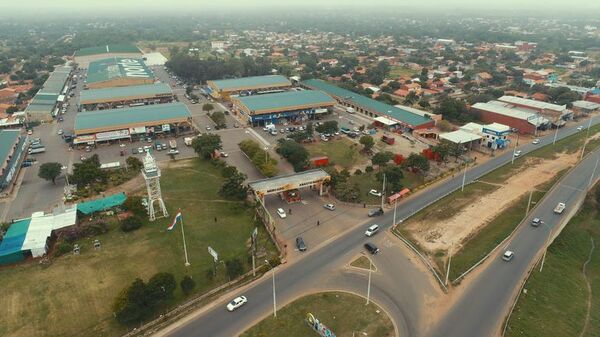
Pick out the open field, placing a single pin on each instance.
(341, 152)
(398, 71)
(344, 314)
(557, 306)
(72, 296)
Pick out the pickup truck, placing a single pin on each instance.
(188, 141)
(173, 144)
(559, 208)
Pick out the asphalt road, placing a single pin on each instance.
(482, 307)
(488, 292)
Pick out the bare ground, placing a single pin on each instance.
(435, 235)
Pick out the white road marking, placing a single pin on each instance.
(259, 137)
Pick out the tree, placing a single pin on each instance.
(205, 145)
(454, 110)
(382, 158)
(411, 98)
(87, 172)
(309, 130)
(443, 150)
(219, 118)
(187, 284)
(133, 163)
(417, 161)
(208, 107)
(295, 154)
(134, 205)
(393, 177)
(328, 127)
(347, 191)
(233, 187)
(131, 223)
(367, 142)
(130, 307)
(234, 268)
(444, 126)
(50, 171)
(161, 286)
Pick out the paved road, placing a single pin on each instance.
(299, 277)
(481, 309)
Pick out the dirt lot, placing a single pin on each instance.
(441, 234)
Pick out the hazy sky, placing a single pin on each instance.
(528, 7)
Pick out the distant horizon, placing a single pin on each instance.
(132, 8)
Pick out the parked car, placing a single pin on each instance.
(173, 151)
(371, 248)
(236, 303)
(330, 207)
(88, 149)
(281, 213)
(375, 193)
(372, 230)
(375, 212)
(208, 128)
(300, 244)
(224, 154)
(508, 255)
(140, 150)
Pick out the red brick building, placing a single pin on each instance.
(524, 122)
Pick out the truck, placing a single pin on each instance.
(173, 144)
(36, 150)
(388, 140)
(559, 208)
(188, 141)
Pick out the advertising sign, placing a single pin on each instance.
(319, 327)
(111, 135)
(213, 253)
(137, 130)
(166, 127)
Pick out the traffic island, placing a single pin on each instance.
(341, 313)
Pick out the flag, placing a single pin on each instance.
(177, 218)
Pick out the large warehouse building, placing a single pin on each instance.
(118, 72)
(524, 121)
(544, 108)
(46, 101)
(247, 85)
(135, 95)
(268, 108)
(84, 56)
(12, 152)
(131, 123)
(407, 119)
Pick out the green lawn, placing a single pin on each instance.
(368, 181)
(555, 304)
(73, 295)
(344, 314)
(342, 152)
(398, 71)
(362, 262)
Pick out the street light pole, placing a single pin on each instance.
(395, 204)
(383, 191)
(274, 298)
(369, 284)
(462, 188)
(593, 173)
(555, 134)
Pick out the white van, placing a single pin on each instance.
(350, 110)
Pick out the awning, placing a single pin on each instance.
(84, 139)
(112, 135)
(385, 121)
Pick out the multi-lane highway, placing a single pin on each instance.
(479, 311)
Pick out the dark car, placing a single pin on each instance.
(371, 248)
(300, 244)
(375, 212)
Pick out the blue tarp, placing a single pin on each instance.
(103, 204)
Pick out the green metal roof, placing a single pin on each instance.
(8, 138)
(116, 93)
(251, 82)
(117, 67)
(56, 81)
(396, 113)
(111, 48)
(285, 100)
(92, 206)
(116, 118)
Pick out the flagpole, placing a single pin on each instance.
(187, 263)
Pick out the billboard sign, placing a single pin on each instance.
(214, 254)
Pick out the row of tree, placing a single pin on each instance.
(267, 165)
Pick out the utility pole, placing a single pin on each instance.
(266, 154)
(395, 204)
(462, 188)
(274, 298)
(529, 202)
(369, 284)
(383, 192)
(587, 134)
(448, 269)
(555, 134)
(593, 173)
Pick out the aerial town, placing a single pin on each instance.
(256, 171)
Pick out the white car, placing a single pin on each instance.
(208, 128)
(372, 230)
(536, 141)
(375, 193)
(579, 128)
(60, 132)
(236, 303)
(140, 150)
(173, 151)
(330, 207)
(508, 255)
(518, 153)
(281, 213)
(224, 154)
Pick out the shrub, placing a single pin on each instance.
(187, 284)
(357, 172)
(131, 223)
(369, 169)
(234, 268)
(62, 248)
(134, 205)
